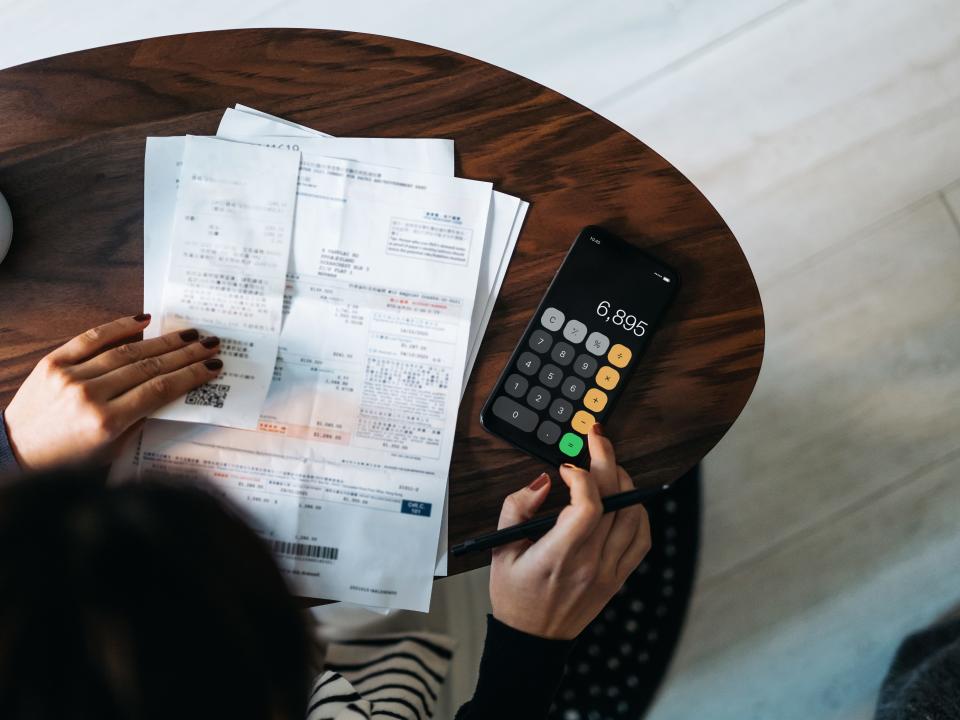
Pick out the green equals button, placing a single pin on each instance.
(571, 444)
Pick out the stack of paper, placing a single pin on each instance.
(350, 281)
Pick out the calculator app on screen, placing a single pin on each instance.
(580, 347)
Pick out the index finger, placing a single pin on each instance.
(89, 343)
(578, 520)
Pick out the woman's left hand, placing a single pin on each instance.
(82, 398)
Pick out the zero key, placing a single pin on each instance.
(515, 413)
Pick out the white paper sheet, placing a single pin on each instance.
(232, 226)
(360, 418)
(272, 128)
(162, 161)
(506, 218)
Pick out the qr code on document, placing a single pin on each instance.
(209, 395)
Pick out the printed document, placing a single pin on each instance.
(347, 473)
(226, 272)
(209, 451)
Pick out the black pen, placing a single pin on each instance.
(533, 529)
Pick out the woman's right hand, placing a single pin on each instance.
(82, 398)
(554, 587)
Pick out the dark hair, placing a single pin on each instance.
(140, 601)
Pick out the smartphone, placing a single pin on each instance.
(580, 347)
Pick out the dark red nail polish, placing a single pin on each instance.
(214, 364)
(539, 482)
(598, 429)
(142, 317)
(210, 342)
(189, 335)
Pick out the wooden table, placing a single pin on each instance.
(71, 166)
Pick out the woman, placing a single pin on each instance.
(109, 608)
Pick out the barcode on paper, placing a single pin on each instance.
(209, 395)
(303, 550)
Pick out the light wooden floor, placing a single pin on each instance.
(827, 133)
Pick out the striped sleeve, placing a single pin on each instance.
(334, 698)
(391, 676)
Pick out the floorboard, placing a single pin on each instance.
(829, 504)
(822, 120)
(951, 196)
(824, 615)
(860, 385)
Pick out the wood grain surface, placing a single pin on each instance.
(71, 167)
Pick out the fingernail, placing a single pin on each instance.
(210, 342)
(213, 364)
(189, 335)
(598, 429)
(539, 482)
(570, 465)
(142, 317)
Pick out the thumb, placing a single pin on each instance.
(521, 505)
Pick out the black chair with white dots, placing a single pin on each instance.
(619, 661)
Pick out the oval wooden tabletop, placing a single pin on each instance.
(71, 166)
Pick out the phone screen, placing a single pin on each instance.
(580, 347)
(613, 288)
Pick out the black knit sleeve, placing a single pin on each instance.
(519, 675)
(8, 462)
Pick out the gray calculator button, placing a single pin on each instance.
(573, 387)
(551, 375)
(597, 343)
(540, 341)
(538, 398)
(552, 319)
(561, 410)
(585, 366)
(516, 385)
(514, 413)
(528, 363)
(548, 432)
(575, 331)
(562, 353)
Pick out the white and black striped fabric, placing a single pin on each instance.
(387, 676)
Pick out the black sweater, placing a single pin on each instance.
(519, 675)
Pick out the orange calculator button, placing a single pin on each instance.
(583, 421)
(607, 378)
(619, 355)
(595, 400)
